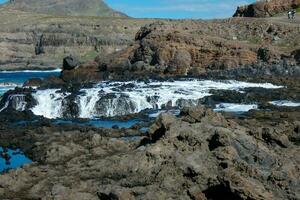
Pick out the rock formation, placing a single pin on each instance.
(266, 8)
(197, 48)
(200, 155)
(39, 41)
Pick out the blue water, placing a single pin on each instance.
(14, 78)
(102, 123)
(17, 160)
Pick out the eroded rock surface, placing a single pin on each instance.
(197, 48)
(40, 41)
(200, 155)
(266, 8)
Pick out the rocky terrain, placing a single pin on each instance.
(200, 155)
(197, 48)
(266, 8)
(41, 41)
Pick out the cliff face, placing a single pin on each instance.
(180, 48)
(65, 7)
(266, 8)
(29, 40)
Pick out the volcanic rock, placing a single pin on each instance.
(266, 8)
(70, 63)
(209, 157)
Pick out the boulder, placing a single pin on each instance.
(34, 82)
(70, 62)
(296, 55)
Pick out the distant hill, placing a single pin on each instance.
(65, 7)
(266, 8)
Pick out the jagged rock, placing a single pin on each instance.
(70, 63)
(84, 73)
(266, 55)
(210, 158)
(34, 82)
(180, 63)
(266, 8)
(296, 55)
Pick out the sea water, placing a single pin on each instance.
(17, 159)
(11, 79)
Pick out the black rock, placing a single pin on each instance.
(70, 63)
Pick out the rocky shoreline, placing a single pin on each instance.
(200, 155)
(203, 153)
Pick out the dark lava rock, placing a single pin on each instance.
(70, 62)
(34, 82)
(200, 155)
(296, 55)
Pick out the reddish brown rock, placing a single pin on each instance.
(84, 73)
(266, 8)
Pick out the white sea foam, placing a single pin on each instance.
(49, 103)
(87, 102)
(8, 84)
(169, 92)
(17, 102)
(31, 71)
(285, 103)
(121, 98)
(233, 107)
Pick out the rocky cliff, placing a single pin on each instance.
(195, 48)
(31, 40)
(266, 8)
(65, 7)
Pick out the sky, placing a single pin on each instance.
(205, 9)
(176, 9)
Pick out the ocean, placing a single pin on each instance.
(11, 79)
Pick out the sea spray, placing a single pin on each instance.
(108, 99)
(16, 101)
(49, 103)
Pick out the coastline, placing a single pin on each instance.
(176, 109)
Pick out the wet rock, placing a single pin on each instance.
(34, 82)
(112, 105)
(296, 55)
(83, 74)
(208, 158)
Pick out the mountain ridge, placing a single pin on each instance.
(65, 7)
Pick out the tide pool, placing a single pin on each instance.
(102, 123)
(16, 159)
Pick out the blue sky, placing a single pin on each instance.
(176, 9)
